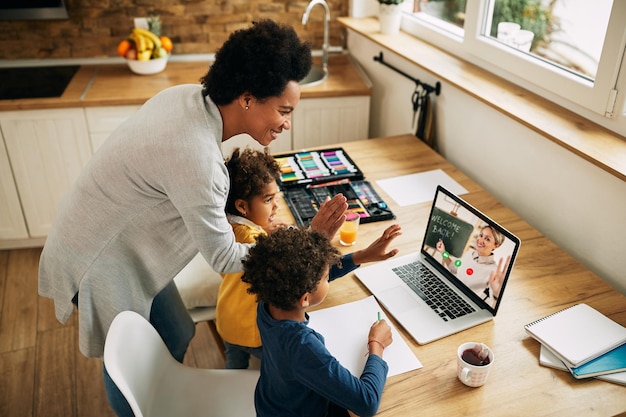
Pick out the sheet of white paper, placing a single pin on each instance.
(420, 187)
(345, 329)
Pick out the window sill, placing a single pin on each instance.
(599, 146)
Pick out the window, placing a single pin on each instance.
(569, 51)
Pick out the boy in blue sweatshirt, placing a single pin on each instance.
(288, 271)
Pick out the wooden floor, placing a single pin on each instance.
(42, 372)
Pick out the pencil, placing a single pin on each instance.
(379, 316)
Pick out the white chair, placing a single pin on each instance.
(155, 384)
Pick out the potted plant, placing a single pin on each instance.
(390, 16)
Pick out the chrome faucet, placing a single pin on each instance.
(305, 20)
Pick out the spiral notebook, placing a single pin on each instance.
(577, 334)
(611, 362)
(549, 359)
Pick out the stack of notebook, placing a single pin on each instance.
(583, 341)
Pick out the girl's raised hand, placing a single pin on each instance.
(330, 216)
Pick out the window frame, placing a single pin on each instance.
(602, 101)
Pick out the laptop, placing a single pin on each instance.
(445, 288)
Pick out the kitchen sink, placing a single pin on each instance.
(315, 76)
(35, 82)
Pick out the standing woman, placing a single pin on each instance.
(154, 194)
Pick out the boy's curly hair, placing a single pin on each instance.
(250, 170)
(286, 264)
(260, 60)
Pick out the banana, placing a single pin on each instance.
(140, 42)
(149, 43)
(146, 33)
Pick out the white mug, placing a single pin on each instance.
(473, 371)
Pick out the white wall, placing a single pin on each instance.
(575, 204)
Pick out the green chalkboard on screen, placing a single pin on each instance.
(453, 231)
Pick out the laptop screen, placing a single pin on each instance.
(469, 248)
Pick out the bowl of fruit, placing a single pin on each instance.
(145, 51)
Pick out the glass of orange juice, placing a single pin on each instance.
(348, 231)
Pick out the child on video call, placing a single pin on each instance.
(251, 210)
(486, 277)
(288, 270)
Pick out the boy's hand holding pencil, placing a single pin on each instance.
(379, 337)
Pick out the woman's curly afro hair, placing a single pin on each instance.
(260, 60)
(286, 264)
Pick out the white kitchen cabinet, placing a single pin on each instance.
(322, 121)
(12, 225)
(102, 121)
(47, 150)
(280, 145)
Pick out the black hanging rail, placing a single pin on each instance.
(427, 87)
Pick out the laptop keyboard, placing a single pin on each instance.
(445, 302)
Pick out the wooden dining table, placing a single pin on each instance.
(544, 280)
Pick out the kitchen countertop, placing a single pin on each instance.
(596, 144)
(116, 85)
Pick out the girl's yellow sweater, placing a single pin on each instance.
(236, 309)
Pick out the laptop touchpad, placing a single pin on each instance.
(401, 299)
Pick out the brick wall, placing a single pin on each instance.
(95, 27)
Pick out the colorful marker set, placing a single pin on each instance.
(365, 193)
(355, 203)
(337, 162)
(356, 206)
(312, 164)
(304, 201)
(317, 167)
(289, 169)
(308, 178)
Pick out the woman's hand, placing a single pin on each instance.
(377, 250)
(330, 216)
(441, 247)
(496, 278)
